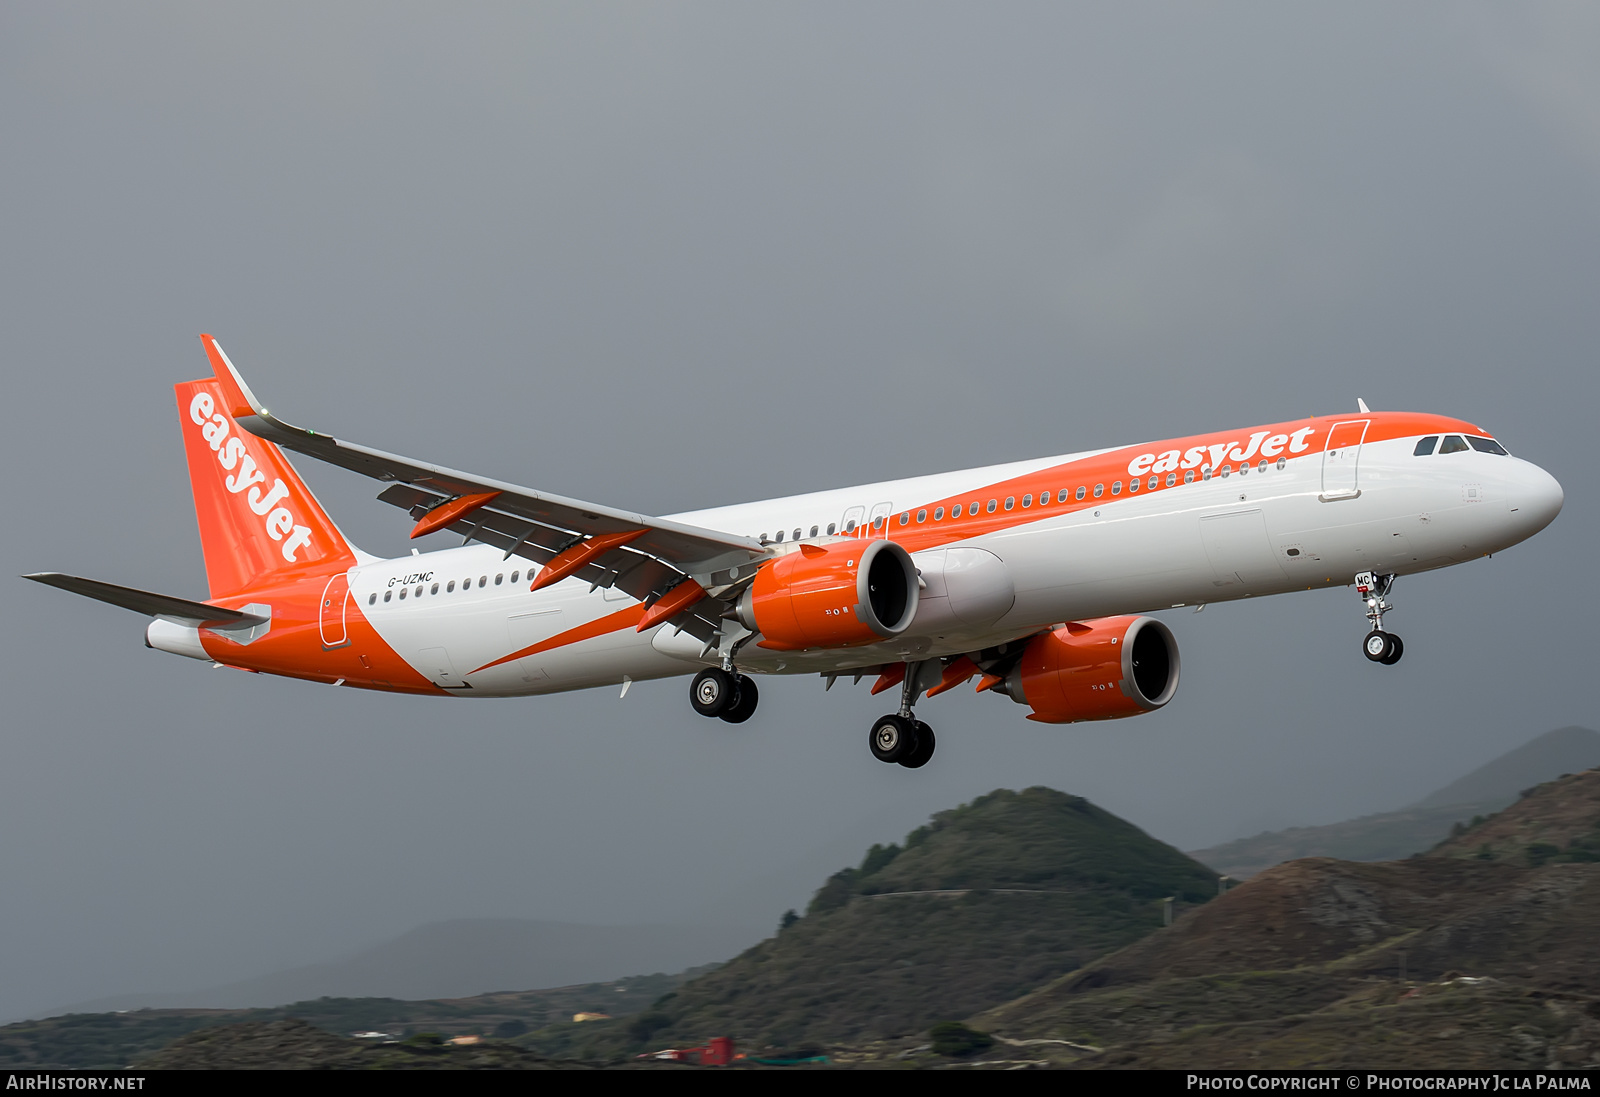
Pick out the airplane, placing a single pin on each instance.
(1034, 577)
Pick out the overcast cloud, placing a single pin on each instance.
(669, 256)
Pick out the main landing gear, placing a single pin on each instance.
(724, 693)
(900, 736)
(1377, 645)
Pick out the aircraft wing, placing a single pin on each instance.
(179, 610)
(650, 555)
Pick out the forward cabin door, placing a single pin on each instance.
(1340, 458)
(331, 617)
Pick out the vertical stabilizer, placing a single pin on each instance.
(259, 523)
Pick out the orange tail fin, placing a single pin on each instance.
(259, 523)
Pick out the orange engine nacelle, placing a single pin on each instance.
(1102, 669)
(832, 596)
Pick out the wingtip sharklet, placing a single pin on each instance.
(241, 401)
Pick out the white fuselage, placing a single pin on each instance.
(1228, 537)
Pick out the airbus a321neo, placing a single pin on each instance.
(1031, 577)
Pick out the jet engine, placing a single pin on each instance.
(1101, 669)
(829, 596)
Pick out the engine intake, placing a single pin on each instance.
(830, 596)
(1102, 669)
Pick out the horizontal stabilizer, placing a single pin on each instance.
(178, 610)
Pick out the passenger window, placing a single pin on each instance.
(1133, 486)
(938, 514)
(514, 575)
(1155, 482)
(372, 599)
(813, 533)
(1283, 463)
(993, 505)
(1116, 488)
(1080, 493)
(1261, 466)
(922, 516)
(1425, 446)
(1188, 477)
(419, 590)
(1172, 478)
(849, 527)
(1099, 490)
(780, 536)
(1011, 502)
(955, 511)
(1062, 496)
(403, 592)
(877, 523)
(1027, 501)
(434, 589)
(905, 518)
(831, 528)
(450, 586)
(388, 594)
(483, 580)
(1226, 470)
(1453, 444)
(500, 578)
(1205, 472)
(1487, 445)
(1244, 468)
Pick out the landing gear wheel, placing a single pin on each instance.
(713, 692)
(744, 706)
(925, 743)
(893, 737)
(1397, 649)
(1379, 647)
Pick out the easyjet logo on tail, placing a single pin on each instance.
(1263, 442)
(245, 477)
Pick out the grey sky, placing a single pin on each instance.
(667, 256)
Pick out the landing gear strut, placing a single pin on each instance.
(1378, 645)
(900, 736)
(725, 694)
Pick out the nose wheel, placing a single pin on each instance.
(1378, 645)
(725, 694)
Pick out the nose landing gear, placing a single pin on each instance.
(900, 736)
(1378, 645)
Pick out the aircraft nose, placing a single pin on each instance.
(1537, 498)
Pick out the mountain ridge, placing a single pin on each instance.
(1391, 835)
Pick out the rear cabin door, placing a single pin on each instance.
(331, 617)
(1340, 459)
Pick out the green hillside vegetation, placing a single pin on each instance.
(978, 906)
(1554, 823)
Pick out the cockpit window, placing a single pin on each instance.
(1453, 444)
(1425, 445)
(1487, 445)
